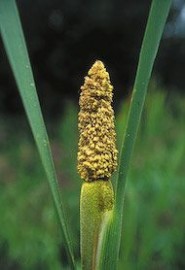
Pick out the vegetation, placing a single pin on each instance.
(107, 254)
(154, 203)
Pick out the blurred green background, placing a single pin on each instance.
(154, 220)
(64, 38)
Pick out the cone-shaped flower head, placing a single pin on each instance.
(97, 155)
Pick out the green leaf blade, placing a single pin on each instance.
(13, 38)
(154, 29)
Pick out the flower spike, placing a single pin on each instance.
(97, 155)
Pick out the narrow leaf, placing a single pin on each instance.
(13, 38)
(154, 29)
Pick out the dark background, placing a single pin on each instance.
(65, 37)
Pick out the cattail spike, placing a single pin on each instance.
(97, 155)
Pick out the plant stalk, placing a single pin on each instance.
(96, 204)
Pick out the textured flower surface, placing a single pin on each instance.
(97, 155)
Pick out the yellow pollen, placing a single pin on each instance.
(97, 154)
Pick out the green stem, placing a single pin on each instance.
(96, 204)
(154, 29)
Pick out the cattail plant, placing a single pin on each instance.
(97, 160)
(101, 213)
